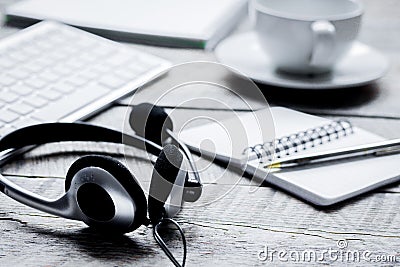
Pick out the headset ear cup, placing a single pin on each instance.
(165, 173)
(124, 177)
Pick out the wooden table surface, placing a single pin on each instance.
(234, 220)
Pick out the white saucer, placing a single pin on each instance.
(362, 65)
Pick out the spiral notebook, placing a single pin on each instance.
(296, 133)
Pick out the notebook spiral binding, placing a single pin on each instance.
(288, 145)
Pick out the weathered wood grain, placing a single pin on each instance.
(229, 225)
(227, 232)
(233, 220)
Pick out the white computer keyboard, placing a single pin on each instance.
(53, 72)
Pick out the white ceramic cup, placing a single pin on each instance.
(306, 36)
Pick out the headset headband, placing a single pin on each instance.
(62, 132)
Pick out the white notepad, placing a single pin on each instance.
(322, 185)
(187, 23)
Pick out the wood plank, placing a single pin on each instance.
(229, 231)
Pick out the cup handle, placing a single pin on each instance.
(323, 42)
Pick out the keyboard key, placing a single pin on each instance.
(35, 101)
(21, 89)
(88, 57)
(36, 82)
(56, 56)
(62, 69)
(6, 130)
(18, 56)
(64, 87)
(7, 80)
(50, 94)
(75, 64)
(77, 80)
(69, 50)
(21, 108)
(20, 73)
(101, 68)
(56, 110)
(33, 67)
(8, 116)
(6, 62)
(50, 76)
(30, 50)
(43, 44)
(44, 61)
(8, 97)
(25, 122)
(89, 74)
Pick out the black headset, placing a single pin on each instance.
(101, 191)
